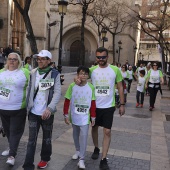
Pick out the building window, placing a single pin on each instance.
(152, 14)
(149, 46)
(166, 35)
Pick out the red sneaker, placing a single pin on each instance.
(137, 104)
(42, 164)
(141, 105)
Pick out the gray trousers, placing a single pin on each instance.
(80, 135)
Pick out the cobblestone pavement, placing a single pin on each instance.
(140, 139)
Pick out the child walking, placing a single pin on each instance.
(140, 88)
(81, 100)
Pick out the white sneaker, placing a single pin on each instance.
(5, 153)
(76, 155)
(81, 164)
(10, 160)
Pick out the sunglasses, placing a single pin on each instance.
(101, 57)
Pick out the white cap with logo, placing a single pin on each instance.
(44, 53)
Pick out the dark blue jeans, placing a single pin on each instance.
(35, 122)
(138, 95)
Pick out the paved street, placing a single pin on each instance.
(140, 139)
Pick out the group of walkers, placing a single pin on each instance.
(37, 93)
(149, 80)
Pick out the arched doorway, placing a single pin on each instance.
(75, 53)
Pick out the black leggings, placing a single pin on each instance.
(13, 122)
(153, 93)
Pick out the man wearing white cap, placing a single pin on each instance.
(43, 94)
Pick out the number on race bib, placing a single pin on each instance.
(4, 93)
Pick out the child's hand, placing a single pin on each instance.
(93, 122)
(67, 120)
(77, 81)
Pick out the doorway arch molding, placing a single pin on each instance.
(74, 25)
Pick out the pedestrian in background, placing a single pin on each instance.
(138, 69)
(104, 76)
(17, 50)
(130, 71)
(2, 58)
(125, 76)
(153, 83)
(141, 79)
(27, 63)
(44, 91)
(82, 108)
(8, 50)
(14, 81)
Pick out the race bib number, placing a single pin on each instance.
(81, 109)
(155, 79)
(102, 91)
(139, 84)
(45, 84)
(4, 93)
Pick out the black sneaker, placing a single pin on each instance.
(104, 165)
(95, 154)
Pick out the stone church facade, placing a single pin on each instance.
(44, 12)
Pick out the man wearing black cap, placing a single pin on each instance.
(44, 92)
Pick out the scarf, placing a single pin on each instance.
(43, 71)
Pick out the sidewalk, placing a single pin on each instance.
(140, 139)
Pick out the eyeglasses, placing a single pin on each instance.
(155, 65)
(123, 67)
(12, 59)
(101, 57)
(83, 74)
(41, 59)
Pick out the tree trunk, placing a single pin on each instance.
(82, 50)
(30, 34)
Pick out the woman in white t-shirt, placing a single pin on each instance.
(153, 83)
(13, 84)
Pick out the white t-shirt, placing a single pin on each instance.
(40, 103)
(141, 84)
(13, 89)
(104, 80)
(154, 76)
(80, 102)
(130, 74)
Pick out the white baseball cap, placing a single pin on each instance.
(44, 53)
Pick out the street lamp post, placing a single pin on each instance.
(140, 57)
(134, 48)
(62, 8)
(103, 33)
(119, 45)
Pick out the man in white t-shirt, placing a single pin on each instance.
(104, 76)
(44, 92)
